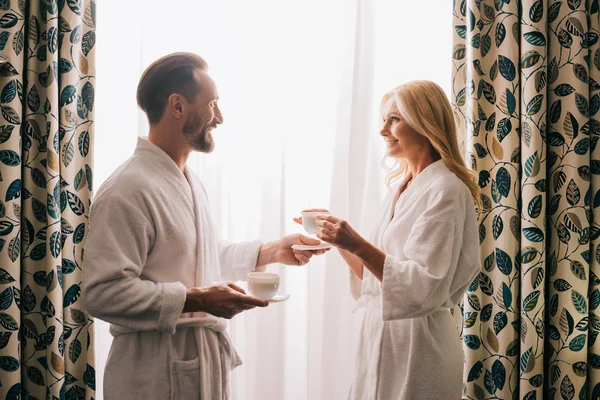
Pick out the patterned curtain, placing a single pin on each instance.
(526, 91)
(46, 129)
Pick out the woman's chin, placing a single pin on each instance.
(394, 153)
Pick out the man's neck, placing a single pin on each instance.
(170, 144)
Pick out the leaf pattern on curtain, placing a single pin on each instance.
(525, 89)
(46, 129)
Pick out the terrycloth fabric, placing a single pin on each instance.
(409, 346)
(151, 237)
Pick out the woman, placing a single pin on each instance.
(421, 258)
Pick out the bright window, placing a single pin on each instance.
(282, 69)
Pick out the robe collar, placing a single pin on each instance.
(147, 148)
(419, 181)
(429, 171)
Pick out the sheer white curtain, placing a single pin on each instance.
(300, 84)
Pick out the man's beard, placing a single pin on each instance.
(199, 138)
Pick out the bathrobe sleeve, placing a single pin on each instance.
(120, 238)
(238, 259)
(355, 285)
(421, 281)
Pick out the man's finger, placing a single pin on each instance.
(303, 259)
(254, 301)
(307, 240)
(236, 288)
(303, 253)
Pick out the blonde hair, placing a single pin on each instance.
(425, 107)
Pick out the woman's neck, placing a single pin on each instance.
(419, 162)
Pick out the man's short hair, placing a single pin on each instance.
(173, 73)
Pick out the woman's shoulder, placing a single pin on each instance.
(446, 185)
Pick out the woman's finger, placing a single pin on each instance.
(298, 220)
(325, 224)
(323, 236)
(329, 230)
(329, 218)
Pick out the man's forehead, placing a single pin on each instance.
(206, 83)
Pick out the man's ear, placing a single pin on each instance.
(175, 105)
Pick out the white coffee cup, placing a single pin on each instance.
(263, 285)
(309, 220)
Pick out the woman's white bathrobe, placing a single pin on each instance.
(409, 346)
(150, 238)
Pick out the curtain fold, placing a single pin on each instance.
(46, 131)
(525, 89)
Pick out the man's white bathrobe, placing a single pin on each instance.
(409, 346)
(150, 238)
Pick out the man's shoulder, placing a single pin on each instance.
(129, 179)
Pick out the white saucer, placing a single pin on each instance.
(321, 246)
(279, 298)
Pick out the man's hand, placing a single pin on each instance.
(281, 251)
(286, 255)
(222, 300)
(289, 256)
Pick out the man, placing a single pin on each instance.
(153, 257)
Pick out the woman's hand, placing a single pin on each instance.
(338, 232)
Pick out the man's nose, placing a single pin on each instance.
(218, 115)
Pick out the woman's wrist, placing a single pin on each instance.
(371, 257)
(362, 249)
